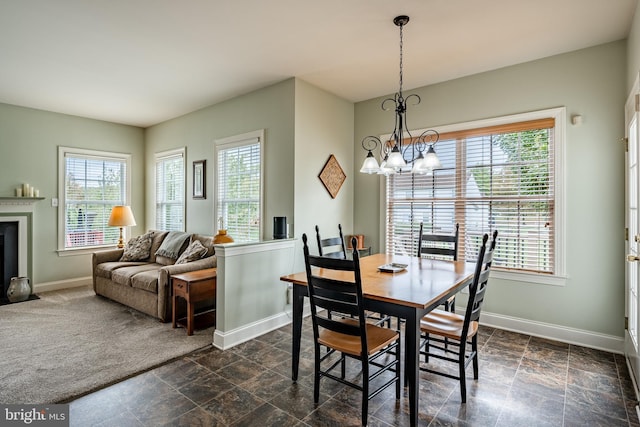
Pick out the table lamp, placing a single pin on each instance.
(121, 216)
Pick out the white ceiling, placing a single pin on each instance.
(141, 62)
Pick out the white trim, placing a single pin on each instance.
(63, 284)
(534, 278)
(235, 249)
(62, 152)
(24, 240)
(226, 340)
(579, 337)
(247, 138)
(164, 155)
(560, 172)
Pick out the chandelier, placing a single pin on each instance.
(395, 153)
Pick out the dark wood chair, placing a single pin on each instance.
(442, 246)
(460, 332)
(352, 337)
(332, 247)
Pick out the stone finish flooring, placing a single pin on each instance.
(524, 381)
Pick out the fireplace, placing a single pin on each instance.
(8, 254)
(16, 234)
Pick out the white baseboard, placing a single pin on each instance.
(580, 337)
(226, 340)
(62, 284)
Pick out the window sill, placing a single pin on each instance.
(84, 251)
(533, 278)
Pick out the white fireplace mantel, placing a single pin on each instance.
(18, 204)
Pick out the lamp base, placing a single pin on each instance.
(120, 244)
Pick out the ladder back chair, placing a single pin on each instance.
(352, 337)
(443, 327)
(444, 246)
(338, 250)
(332, 247)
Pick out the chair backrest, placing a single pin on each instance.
(336, 295)
(333, 247)
(444, 245)
(478, 288)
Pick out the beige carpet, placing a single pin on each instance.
(72, 342)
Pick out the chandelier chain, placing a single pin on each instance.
(401, 26)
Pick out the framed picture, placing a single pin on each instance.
(199, 181)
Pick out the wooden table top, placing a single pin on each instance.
(196, 275)
(421, 283)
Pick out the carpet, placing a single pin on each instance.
(72, 342)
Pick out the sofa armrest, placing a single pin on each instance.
(164, 288)
(109, 255)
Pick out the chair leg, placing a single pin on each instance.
(316, 376)
(474, 348)
(365, 390)
(461, 371)
(398, 385)
(463, 381)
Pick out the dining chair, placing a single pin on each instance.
(332, 247)
(444, 327)
(441, 246)
(351, 337)
(338, 250)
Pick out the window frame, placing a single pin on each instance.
(248, 138)
(558, 278)
(63, 153)
(159, 157)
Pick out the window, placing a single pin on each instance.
(239, 185)
(170, 190)
(91, 183)
(499, 174)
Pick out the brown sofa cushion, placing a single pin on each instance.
(106, 268)
(158, 237)
(207, 242)
(147, 280)
(138, 248)
(194, 251)
(123, 275)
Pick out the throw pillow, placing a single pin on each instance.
(193, 252)
(138, 248)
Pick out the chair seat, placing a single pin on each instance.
(377, 338)
(446, 324)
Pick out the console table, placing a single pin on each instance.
(193, 287)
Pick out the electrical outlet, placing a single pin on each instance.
(288, 296)
(54, 202)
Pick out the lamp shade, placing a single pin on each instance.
(121, 216)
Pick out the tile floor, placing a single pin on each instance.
(524, 381)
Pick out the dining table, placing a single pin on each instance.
(408, 291)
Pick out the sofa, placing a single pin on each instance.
(144, 283)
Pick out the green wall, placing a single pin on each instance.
(589, 82)
(323, 126)
(270, 108)
(29, 141)
(633, 50)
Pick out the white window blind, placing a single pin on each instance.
(170, 191)
(93, 184)
(493, 178)
(239, 188)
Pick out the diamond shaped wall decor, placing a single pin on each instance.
(332, 176)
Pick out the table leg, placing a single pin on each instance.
(298, 305)
(174, 312)
(412, 368)
(190, 314)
